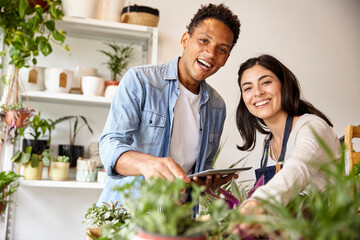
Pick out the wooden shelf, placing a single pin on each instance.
(67, 98)
(62, 184)
(105, 30)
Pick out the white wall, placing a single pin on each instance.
(318, 40)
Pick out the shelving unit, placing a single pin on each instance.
(67, 98)
(70, 197)
(61, 184)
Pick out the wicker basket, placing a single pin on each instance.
(140, 15)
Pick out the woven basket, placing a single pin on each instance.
(140, 15)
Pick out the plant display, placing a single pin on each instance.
(158, 208)
(119, 59)
(38, 127)
(6, 188)
(74, 129)
(106, 214)
(23, 158)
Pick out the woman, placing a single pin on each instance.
(270, 103)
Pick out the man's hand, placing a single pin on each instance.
(134, 164)
(214, 181)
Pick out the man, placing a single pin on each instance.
(165, 120)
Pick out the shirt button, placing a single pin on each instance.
(150, 121)
(201, 129)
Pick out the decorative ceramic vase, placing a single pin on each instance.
(110, 88)
(80, 8)
(32, 78)
(33, 173)
(59, 170)
(58, 80)
(102, 176)
(79, 72)
(92, 86)
(86, 170)
(109, 10)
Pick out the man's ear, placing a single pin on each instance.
(185, 37)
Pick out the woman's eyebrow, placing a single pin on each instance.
(260, 78)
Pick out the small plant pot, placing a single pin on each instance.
(19, 118)
(86, 170)
(96, 232)
(31, 173)
(58, 80)
(110, 88)
(60, 171)
(102, 176)
(150, 236)
(72, 151)
(38, 146)
(92, 86)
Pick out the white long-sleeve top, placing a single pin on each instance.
(303, 158)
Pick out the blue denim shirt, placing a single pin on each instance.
(141, 118)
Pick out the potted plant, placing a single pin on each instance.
(119, 58)
(60, 168)
(108, 213)
(158, 212)
(28, 27)
(7, 178)
(71, 150)
(33, 163)
(37, 127)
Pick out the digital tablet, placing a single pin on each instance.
(225, 171)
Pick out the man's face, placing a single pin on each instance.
(205, 52)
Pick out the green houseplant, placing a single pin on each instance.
(71, 150)
(33, 162)
(60, 168)
(158, 210)
(119, 57)
(7, 187)
(38, 127)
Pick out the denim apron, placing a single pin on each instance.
(270, 171)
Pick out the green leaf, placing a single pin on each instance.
(58, 36)
(45, 47)
(34, 160)
(16, 156)
(23, 5)
(25, 158)
(50, 25)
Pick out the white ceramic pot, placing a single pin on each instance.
(80, 8)
(102, 177)
(32, 78)
(92, 86)
(58, 80)
(81, 71)
(86, 170)
(109, 10)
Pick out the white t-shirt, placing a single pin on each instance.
(184, 141)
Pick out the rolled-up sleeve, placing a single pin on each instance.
(122, 122)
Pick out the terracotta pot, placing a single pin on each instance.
(19, 118)
(149, 236)
(110, 88)
(96, 232)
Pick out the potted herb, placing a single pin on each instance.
(38, 127)
(7, 187)
(60, 168)
(108, 213)
(71, 150)
(159, 214)
(33, 163)
(119, 57)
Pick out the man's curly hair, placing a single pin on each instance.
(219, 12)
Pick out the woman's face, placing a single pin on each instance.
(261, 92)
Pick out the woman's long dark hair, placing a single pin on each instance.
(291, 103)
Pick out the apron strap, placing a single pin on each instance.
(264, 158)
